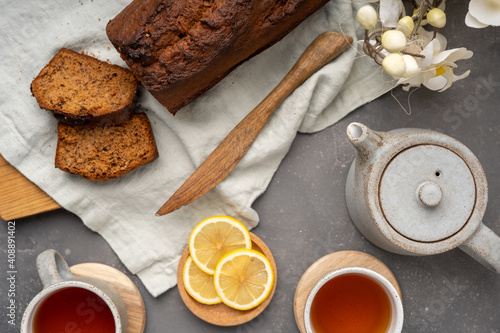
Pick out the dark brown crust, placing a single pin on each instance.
(82, 169)
(119, 116)
(115, 117)
(111, 115)
(180, 49)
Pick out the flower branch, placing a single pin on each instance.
(406, 51)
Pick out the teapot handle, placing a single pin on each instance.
(484, 246)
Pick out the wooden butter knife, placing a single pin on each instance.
(231, 150)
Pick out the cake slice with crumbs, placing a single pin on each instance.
(100, 153)
(80, 89)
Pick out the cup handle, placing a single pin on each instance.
(52, 268)
(484, 246)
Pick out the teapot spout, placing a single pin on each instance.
(364, 139)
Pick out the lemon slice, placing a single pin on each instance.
(243, 279)
(215, 236)
(199, 284)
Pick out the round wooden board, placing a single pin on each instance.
(329, 263)
(221, 314)
(136, 312)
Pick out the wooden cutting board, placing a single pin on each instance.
(19, 197)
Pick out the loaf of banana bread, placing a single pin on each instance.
(181, 48)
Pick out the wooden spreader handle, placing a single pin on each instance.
(231, 150)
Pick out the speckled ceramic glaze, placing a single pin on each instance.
(55, 275)
(419, 192)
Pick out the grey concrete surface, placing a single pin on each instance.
(304, 217)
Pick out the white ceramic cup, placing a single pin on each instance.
(56, 275)
(397, 314)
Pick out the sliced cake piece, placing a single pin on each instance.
(80, 89)
(100, 153)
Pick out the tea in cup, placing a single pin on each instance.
(72, 304)
(353, 299)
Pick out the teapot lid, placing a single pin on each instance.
(427, 193)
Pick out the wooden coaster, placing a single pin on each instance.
(329, 263)
(136, 312)
(221, 314)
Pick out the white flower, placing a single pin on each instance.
(427, 37)
(436, 69)
(483, 13)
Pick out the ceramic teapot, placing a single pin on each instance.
(419, 192)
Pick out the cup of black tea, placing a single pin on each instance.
(353, 299)
(72, 304)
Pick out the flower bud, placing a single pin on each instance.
(411, 65)
(394, 65)
(406, 25)
(393, 41)
(367, 17)
(436, 17)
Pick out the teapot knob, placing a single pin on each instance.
(430, 194)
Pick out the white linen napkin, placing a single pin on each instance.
(123, 210)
